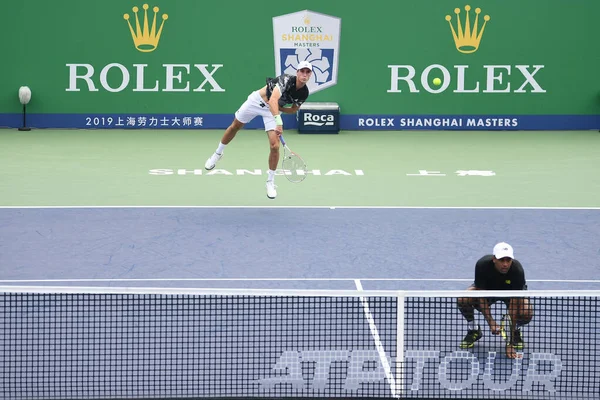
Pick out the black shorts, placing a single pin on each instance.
(491, 300)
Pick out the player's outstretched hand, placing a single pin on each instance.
(512, 353)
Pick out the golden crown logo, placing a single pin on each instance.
(145, 39)
(467, 40)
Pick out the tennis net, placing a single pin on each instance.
(159, 343)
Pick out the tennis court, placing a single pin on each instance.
(148, 248)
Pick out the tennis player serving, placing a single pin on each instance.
(286, 94)
(498, 271)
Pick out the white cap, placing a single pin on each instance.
(502, 250)
(303, 64)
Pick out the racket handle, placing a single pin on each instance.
(282, 139)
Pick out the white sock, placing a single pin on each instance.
(221, 148)
(471, 325)
(271, 176)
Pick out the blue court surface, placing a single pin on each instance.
(296, 248)
(258, 346)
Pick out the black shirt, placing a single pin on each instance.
(487, 277)
(289, 93)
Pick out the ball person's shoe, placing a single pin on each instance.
(271, 192)
(212, 161)
(470, 338)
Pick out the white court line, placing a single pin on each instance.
(283, 280)
(400, 322)
(378, 345)
(320, 207)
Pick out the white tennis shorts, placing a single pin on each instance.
(253, 107)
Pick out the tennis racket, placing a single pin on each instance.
(293, 166)
(506, 329)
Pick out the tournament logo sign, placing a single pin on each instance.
(308, 36)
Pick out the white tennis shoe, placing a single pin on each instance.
(212, 161)
(271, 192)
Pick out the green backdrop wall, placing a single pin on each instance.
(532, 59)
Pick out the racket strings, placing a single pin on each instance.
(294, 167)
